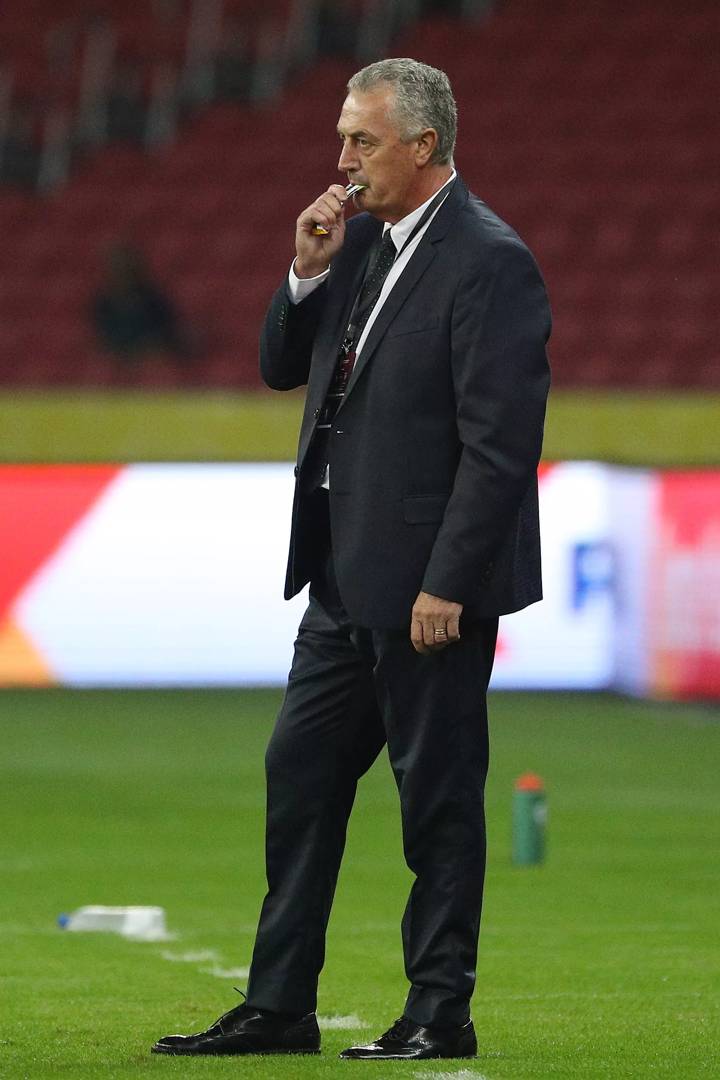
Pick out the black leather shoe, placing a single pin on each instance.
(406, 1039)
(245, 1030)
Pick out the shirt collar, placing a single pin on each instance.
(402, 229)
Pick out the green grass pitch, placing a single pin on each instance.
(604, 962)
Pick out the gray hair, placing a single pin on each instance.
(423, 99)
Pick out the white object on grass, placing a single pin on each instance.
(136, 921)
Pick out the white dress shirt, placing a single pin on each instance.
(300, 288)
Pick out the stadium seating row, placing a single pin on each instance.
(592, 129)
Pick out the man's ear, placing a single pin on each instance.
(425, 145)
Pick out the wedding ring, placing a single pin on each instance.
(440, 633)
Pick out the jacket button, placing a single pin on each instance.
(316, 413)
(295, 471)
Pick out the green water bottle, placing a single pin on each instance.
(529, 820)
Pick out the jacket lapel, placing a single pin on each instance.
(420, 260)
(402, 288)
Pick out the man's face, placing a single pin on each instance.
(374, 154)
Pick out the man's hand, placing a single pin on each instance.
(435, 623)
(314, 253)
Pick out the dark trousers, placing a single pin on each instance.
(350, 691)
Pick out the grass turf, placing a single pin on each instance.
(602, 963)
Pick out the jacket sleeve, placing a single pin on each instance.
(500, 326)
(286, 341)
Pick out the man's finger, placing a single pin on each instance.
(327, 210)
(429, 636)
(339, 192)
(453, 628)
(416, 636)
(317, 214)
(331, 203)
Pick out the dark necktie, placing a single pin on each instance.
(369, 294)
(372, 287)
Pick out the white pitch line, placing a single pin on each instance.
(152, 936)
(341, 1023)
(203, 956)
(226, 973)
(464, 1074)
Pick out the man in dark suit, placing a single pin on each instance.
(420, 330)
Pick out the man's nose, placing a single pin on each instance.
(348, 160)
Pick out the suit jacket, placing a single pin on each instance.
(434, 451)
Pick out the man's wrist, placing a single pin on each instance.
(301, 287)
(304, 272)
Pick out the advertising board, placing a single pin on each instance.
(171, 575)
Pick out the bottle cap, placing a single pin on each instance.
(529, 781)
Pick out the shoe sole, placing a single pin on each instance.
(171, 1051)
